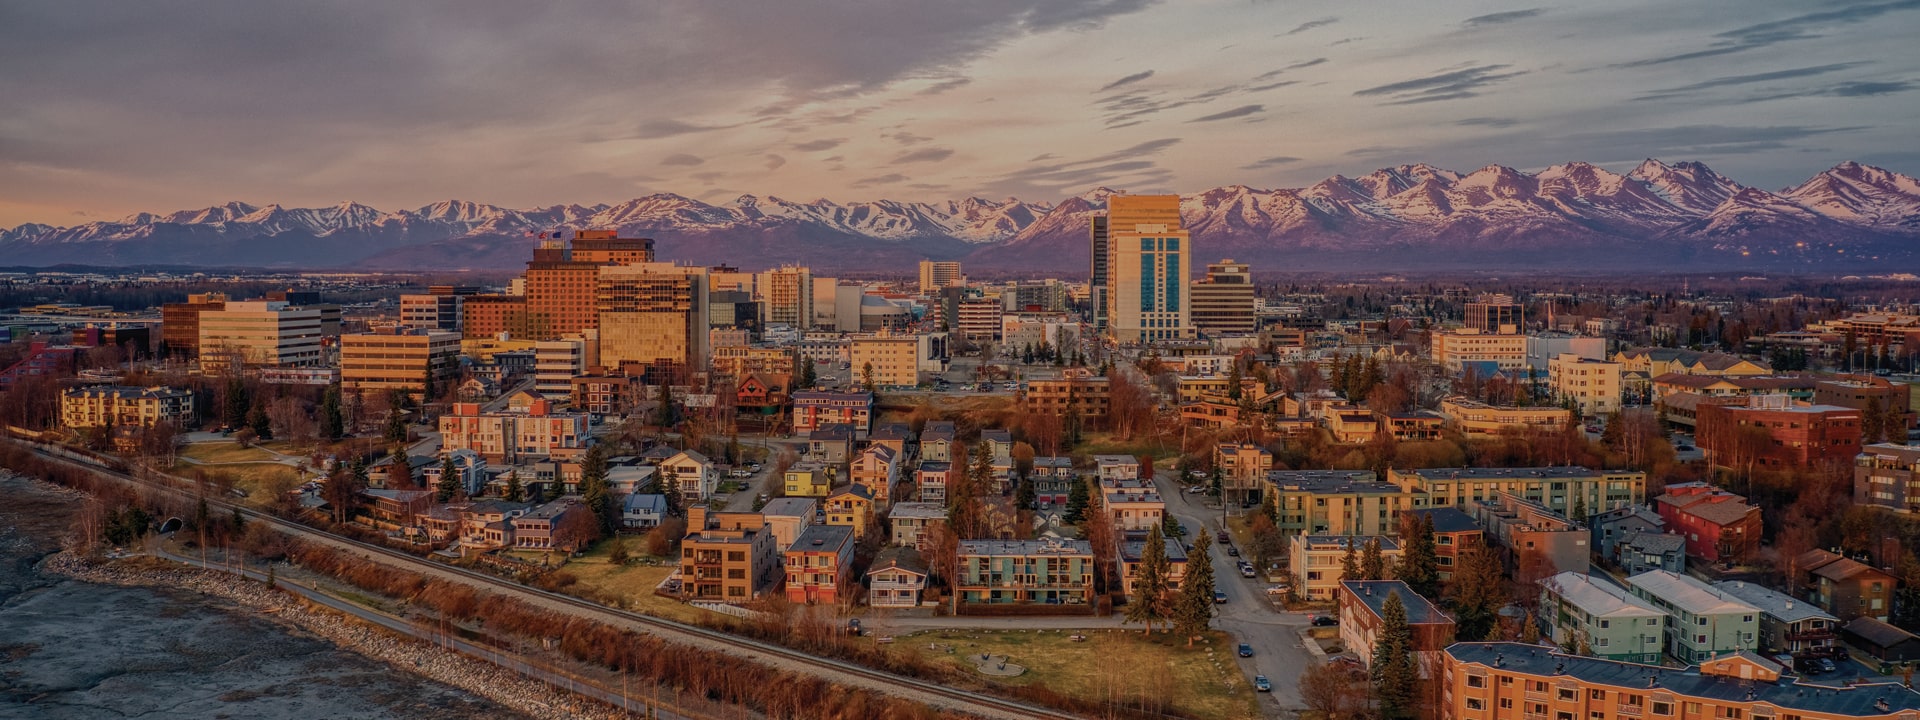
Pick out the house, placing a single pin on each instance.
(1132, 505)
(640, 511)
(1639, 552)
(692, 475)
(812, 409)
(1351, 425)
(1611, 525)
(897, 437)
(1719, 526)
(1601, 619)
(1538, 541)
(488, 525)
(1243, 469)
(1046, 572)
(830, 444)
(898, 576)
(1116, 467)
(1361, 606)
(470, 471)
(999, 445)
(809, 479)
(788, 516)
(1703, 623)
(1133, 551)
(763, 393)
(1883, 641)
(627, 475)
(1414, 426)
(911, 520)
(1315, 561)
(851, 506)
(384, 473)
(932, 479)
(877, 468)
(540, 527)
(396, 507)
(1454, 534)
(936, 441)
(1786, 625)
(727, 557)
(1845, 587)
(1053, 478)
(820, 565)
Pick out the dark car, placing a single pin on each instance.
(1246, 650)
(1219, 597)
(1326, 621)
(1233, 551)
(1262, 684)
(1222, 537)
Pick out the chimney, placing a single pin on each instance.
(1499, 658)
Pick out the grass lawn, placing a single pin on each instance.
(259, 480)
(1201, 682)
(223, 452)
(633, 583)
(1100, 443)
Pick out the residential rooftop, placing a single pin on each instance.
(1599, 598)
(1688, 594)
(1778, 604)
(1374, 593)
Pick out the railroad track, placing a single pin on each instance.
(885, 682)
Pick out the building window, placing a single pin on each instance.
(1568, 694)
(1662, 708)
(1476, 681)
(1475, 704)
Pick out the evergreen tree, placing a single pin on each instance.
(807, 373)
(396, 426)
(239, 521)
(669, 488)
(234, 415)
(664, 415)
(262, 425)
(1234, 376)
(866, 376)
(1149, 602)
(515, 492)
(1419, 567)
(1373, 564)
(449, 485)
(1028, 497)
(1395, 676)
(1350, 562)
(1270, 507)
(1078, 496)
(201, 517)
(1873, 422)
(1194, 608)
(1478, 590)
(595, 493)
(332, 422)
(1215, 482)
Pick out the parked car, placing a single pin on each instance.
(1219, 597)
(1233, 551)
(1262, 684)
(1222, 537)
(1246, 570)
(1246, 650)
(1196, 490)
(1325, 621)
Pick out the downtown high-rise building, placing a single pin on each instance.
(1223, 301)
(563, 279)
(1495, 315)
(652, 314)
(1148, 260)
(786, 296)
(936, 274)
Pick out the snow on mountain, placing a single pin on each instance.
(1398, 214)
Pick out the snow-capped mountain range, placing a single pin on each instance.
(1571, 216)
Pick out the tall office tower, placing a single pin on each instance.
(1097, 276)
(556, 363)
(652, 314)
(420, 363)
(562, 279)
(431, 311)
(787, 296)
(605, 247)
(1494, 315)
(259, 332)
(180, 324)
(489, 316)
(1223, 302)
(1148, 264)
(936, 274)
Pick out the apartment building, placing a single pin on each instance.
(1025, 572)
(1316, 561)
(851, 506)
(1798, 435)
(431, 311)
(1703, 623)
(1887, 475)
(112, 406)
(1848, 588)
(557, 362)
(820, 565)
(1455, 533)
(421, 364)
(894, 359)
(1538, 542)
(1515, 681)
(1134, 552)
(1562, 489)
(259, 333)
(808, 479)
(506, 438)
(786, 517)
(1086, 397)
(1601, 618)
(728, 559)
(1223, 300)
(936, 441)
(1590, 386)
(912, 520)
(936, 274)
(1719, 526)
(652, 314)
(1458, 349)
(1361, 610)
(813, 409)
(877, 468)
(1243, 470)
(1480, 420)
(786, 295)
(1787, 625)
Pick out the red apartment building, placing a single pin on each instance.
(1718, 525)
(820, 564)
(1796, 435)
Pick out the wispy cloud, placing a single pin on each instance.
(1732, 80)
(1128, 80)
(1242, 111)
(1309, 25)
(923, 155)
(1451, 85)
(818, 145)
(1274, 161)
(774, 162)
(1491, 122)
(1500, 18)
(887, 179)
(1774, 32)
(944, 86)
(681, 160)
(1270, 74)
(655, 129)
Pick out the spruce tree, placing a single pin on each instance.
(449, 485)
(396, 426)
(807, 374)
(262, 425)
(234, 415)
(1194, 608)
(663, 415)
(1078, 496)
(1478, 591)
(669, 488)
(1395, 675)
(1350, 562)
(1028, 496)
(1149, 602)
(1419, 567)
(1373, 564)
(595, 492)
(515, 492)
(332, 422)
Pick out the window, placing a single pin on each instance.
(1475, 704)
(1606, 623)
(1692, 708)
(1732, 712)
(1568, 694)
(1662, 708)
(1746, 618)
(1563, 715)
(1476, 681)
(1596, 694)
(1506, 703)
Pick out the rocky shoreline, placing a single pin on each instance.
(411, 655)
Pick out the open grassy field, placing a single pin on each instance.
(1199, 682)
(225, 452)
(631, 584)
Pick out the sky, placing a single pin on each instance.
(110, 107)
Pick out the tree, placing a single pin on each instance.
(808, 376)
(1419, 567)
(1350, 562)
(576, 531)
(617, 551)
(396, 426)
(1078, 497)
(1214, 481)
(1478, 591)
(1194, 607)
(1373, 564)
(342, 491)
(1027, 496)
(1328, 688)
(669, 486)
(449, 486)
(866, 376)
(1150, 580)
(664, 415)
(515, 492)
(258, 421)
(1395, 676)
(332, 421)
(234, 414)
(1873, 422)
(595, 493)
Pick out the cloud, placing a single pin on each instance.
(906, 138)
(1774, 32)
(1274, 161)
(1499, 18)
(1730, 80)
(681, 160)
(818, 145)
(1491, 122)
(887, 179)
(1242, 111)
(1451, 85)
(1840, 90)
(775, 161)
(1043, 156)
(923, 155)
(1128, 80)
(708, 177)
(1270, 74)
(946, 85)
(654, 129)
(1271, 86)
(1345, 40)
(1309, 25)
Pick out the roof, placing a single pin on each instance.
(638, 502)
(789, 507)
(1812, 559)
(1053, 461)
(1566, 471)
(1632, 512)
(860, 491)
(1448, 519)
(1373, 595)
(899, 558)
(1652, 542)
(1387, 543)
(832, 432)
(1134, 550)
(891, 431)
(1688, 594)
(1844, 568)
(935, 467)
(1878, 633)
(996, 435)
(822, 396)
(1722, 513)
(1024, 548)
(822, 538)
(937, 430)
(1330, 481)
(1779, 605)
(918, 511)
(1542, 661)
(1601, 598)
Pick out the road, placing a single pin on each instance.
(1247, 615)
(840, 672)
(763, 480)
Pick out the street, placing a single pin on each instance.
(1247, 615)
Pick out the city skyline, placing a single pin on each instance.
(400, 107)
